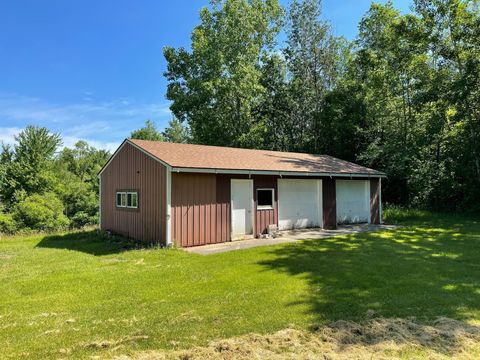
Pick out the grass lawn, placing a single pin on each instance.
(63, 295)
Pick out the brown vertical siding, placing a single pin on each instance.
(374, 201)
(200, 209)
(265, 217)
(329, 203)
(223, 221)
(131, 169)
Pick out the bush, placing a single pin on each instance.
(82, 218)
(7, 224)
(41, 212)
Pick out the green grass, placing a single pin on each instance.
(62, 294)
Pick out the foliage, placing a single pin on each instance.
(42, 189)
(394, 214)
(149, 132)
(7, 223)
(313, 62)
(85, 285)
(41, 212)
(78, 185)
(28, 168)
(215, 87)
(176, 132)
(403, 97)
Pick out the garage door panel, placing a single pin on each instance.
(353, 201)
(299, 203)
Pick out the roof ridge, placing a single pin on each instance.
(229, 147)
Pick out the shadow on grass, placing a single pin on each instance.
(91, 242)
(421, 271)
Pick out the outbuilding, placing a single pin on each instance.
(191, 195)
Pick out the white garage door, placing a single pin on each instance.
(299, 203)
(353, 201)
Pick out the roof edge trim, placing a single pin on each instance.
(272, 172)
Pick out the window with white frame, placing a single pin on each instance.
(265, 198)
(127, 199)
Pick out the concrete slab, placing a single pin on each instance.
(286, 237)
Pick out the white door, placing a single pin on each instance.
(299, 203)
(353, 201)
(242, 204)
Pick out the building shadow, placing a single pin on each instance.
(91, 242)
(425, 272)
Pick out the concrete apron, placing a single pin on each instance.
(287, 236)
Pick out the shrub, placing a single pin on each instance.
(82, 218)
(7, 224)
(41, 212)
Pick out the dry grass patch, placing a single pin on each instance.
(104, 344)
(375, 338)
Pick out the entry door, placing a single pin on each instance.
(299, 203)
(242, 204)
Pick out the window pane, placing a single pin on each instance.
(124, 199)
(119, 199)
(134, 200)
(265, 197)
(129, 199)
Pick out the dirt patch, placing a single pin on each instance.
(375, 338)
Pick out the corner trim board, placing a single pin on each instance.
(380, 200)
(168, 230)
(100, 201)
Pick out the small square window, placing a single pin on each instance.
(127, 199)
(264, 198)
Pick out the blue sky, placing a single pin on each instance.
(93, 69)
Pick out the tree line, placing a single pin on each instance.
(402, 97)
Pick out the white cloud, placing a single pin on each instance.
(7, 135)
(24, 108)
(103, 124)
(70, 141)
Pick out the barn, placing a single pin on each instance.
(190, 195)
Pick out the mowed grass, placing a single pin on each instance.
(79, 294)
